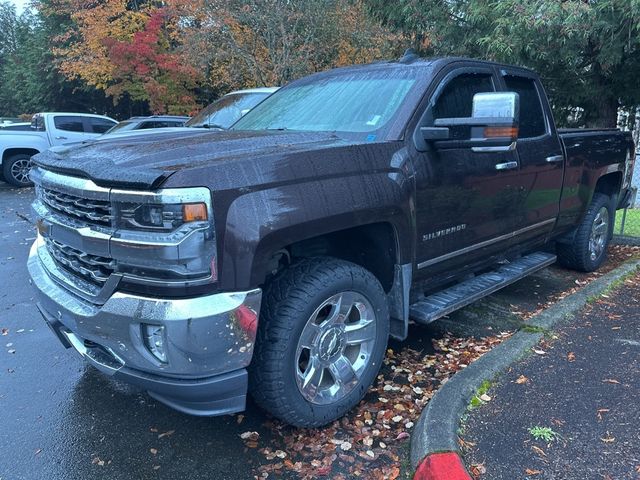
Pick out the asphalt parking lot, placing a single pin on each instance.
(61, 419)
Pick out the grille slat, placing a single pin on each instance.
(93, 268)
(98, 212)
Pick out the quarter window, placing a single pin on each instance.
(532, 122)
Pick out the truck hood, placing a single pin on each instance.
(147, 160)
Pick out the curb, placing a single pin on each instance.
(625, 240)
(434, 441)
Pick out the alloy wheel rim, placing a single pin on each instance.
(20, 170)
(599, 232)
(335, 348)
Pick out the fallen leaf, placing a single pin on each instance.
(608, 438)
(154, 451)
(538, 450)
(345, 446)
(522, 379)
(571, 357)
(166, 434)
(611, 380)
(250, 436)
(539, 352)
(485, 398)
(530, 472)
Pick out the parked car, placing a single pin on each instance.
(146, 123)
(47, 130)
(219, 115)
(281, 255)
(23, 126)
(227, 110)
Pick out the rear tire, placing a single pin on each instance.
(589, 247)
(322, 337)
(16, 170)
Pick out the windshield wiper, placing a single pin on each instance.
(210, 125)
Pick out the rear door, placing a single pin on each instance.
(99, 126)
(540, 156)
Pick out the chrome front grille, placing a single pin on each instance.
(93, 211)
(92, 268)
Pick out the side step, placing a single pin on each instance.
(446, 301)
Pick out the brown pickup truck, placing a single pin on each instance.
(279, 256)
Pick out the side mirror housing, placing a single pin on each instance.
(493, 125)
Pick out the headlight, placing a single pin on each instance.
(164, 239)
(159, 217)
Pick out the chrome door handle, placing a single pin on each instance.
(555, 158)
(61, 138)
(507, 166)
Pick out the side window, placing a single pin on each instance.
(456, 100)
(101, 125)
(69, 124)
(532, 122)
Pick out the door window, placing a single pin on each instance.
(456, 100)
(532, 123)
(101, 125)
(69, 124)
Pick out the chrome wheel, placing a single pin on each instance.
(335, 348)
(599, 233)
(20, 170)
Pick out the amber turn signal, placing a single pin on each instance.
(194, 212)
(501, 132)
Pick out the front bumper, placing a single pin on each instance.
(208, 340)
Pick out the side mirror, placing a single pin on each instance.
(493, 126)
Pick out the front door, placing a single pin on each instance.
(465, 199)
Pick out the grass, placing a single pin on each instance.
(543, 433)
(476, 401)
(631, 224)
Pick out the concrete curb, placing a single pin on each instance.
(436, 431)
(625, 240)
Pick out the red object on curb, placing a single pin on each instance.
(442, 466)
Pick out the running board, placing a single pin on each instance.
(462, 294)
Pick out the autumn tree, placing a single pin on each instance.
(127, 48)
(242, 43)
(588, 52)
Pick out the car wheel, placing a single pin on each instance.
(16, 170)
(322, 336)
(589, 247)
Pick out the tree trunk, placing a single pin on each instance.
(604, 113)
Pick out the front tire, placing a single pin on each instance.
(16, 170)
(589, 247)
(322, 337)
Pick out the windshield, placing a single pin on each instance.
(353, 102)
(122, 127)
(227, 110)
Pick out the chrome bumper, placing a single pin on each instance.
(203, 337)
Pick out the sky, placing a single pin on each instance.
(20, 4)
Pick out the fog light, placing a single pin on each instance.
(154, 340)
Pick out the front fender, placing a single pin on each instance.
(260, 223)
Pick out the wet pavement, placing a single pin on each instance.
(60, 419)
(584, 386)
